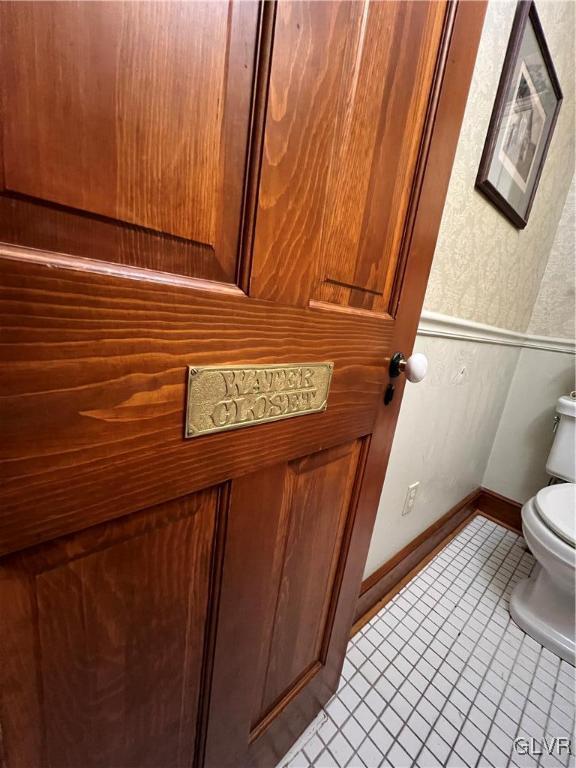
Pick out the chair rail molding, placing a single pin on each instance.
(448, 327)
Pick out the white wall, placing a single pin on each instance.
(522, 442)
(445, 432)
(487, 271)
(516, 467)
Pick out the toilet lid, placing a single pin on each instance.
(556, 505)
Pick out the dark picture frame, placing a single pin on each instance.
(523, 118)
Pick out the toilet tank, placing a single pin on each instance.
(562, 458)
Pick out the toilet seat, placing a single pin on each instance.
(544, 605)
(556, 507)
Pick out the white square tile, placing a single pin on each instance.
(381, 737)
(360, 684)
(494, 755)
(428, 760)
(474, 735)
(538, 700)
(376, 703)
(325, 760)
(385, 688)
(349, 698)
(531, 727)
(479, 718)
(501, 739)
(442, 665)
(388, 651)
(391, 720)
(535, 713)
(396, 642)
(340, 749)
(353, 732)
(436, 744)
(398, 757)
(440, 684)
(446, 730)
(418, 681)
(298, 761)
(369, 753)
(327, 731)
(402, 663)
(365, 716)
(313, 748)
(337, 711)
(428, 711)
(402, 707)
(506, 723)
(410, 693)
(355, 659)
(466, 751)
(348, 669)
(448, 671)
(370, 671)
(425, 669)
(562, 718)
(409, 741)
(394, 677)
(419, 725)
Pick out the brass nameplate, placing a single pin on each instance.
(234, 396)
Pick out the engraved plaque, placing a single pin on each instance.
(230, 397)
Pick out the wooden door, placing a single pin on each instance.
(190, 185)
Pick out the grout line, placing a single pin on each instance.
(465, 718)
(430, 586)
(545, 729)
(390, 663)
(448, 623)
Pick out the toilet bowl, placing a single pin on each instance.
(543, 605)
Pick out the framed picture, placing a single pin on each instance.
(523, 119)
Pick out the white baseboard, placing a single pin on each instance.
(445, 326)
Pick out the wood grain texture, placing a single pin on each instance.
(125, 130)
(317, 490)
(108, 628)
(447, 102)
(505, 511)
(394, 570)
(93, 396)
(98, 365)
(280, 519)
(341, 148)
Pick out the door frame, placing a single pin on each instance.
(449, 96)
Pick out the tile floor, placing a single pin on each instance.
(443, 677)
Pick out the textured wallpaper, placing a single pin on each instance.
(555, 308)
(484, 268)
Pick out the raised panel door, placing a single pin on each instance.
(189, 185)
(102, 639)
(125, 130)
(350, 86)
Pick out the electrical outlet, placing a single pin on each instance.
(410, 498)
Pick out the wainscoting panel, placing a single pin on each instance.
(444, 437)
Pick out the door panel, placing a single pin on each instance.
(98, 364)
(202, 184)
(313, 504)
(126, 130)
(349, 93)
(287, 539)
(111, 622)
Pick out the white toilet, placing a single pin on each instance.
(544, 604)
